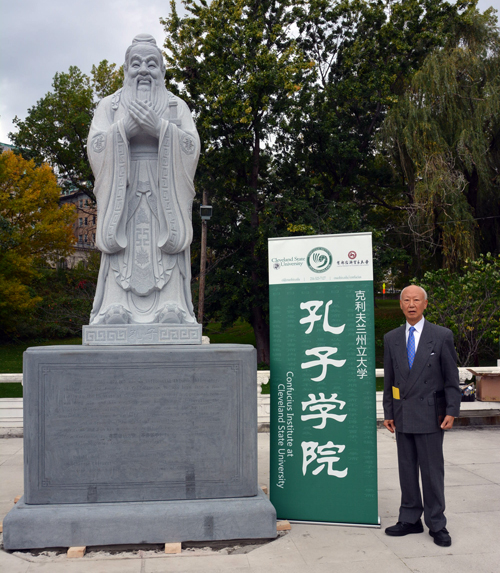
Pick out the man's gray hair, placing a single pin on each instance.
(422, 289)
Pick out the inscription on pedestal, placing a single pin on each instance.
(123, 430)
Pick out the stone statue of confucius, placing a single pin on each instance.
(143, 148)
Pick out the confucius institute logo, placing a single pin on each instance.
(319, 260)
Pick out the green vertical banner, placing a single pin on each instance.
(323, 411)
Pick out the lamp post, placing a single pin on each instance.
(206, 213)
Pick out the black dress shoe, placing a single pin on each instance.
(441, 537)
(402, 528)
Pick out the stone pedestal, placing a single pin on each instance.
(139, 444)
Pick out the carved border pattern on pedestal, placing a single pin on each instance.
(137, 334)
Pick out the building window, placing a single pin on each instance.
(85, 238)
(81, 203)
(80, 238)
(93, 219)
(80, 222)
(85, 220)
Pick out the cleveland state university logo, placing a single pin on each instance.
(319, 260)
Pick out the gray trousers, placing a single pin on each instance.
(422, 452)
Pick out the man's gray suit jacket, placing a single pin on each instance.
(434, 373)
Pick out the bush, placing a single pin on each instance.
(468, 303)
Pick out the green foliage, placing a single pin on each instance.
(65, 301)
(34, 232)
(56, 128)
(365, 54)
(288, 97)
(106, 79)
(236, 64)
(11, 355)
(468, 302)
(443, 139)
(11, 390)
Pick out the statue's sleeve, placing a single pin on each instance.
(108, 152)
(179, 149)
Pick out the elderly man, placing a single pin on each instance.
(421, 400)
(143, 148)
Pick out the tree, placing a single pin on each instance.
(468, 302)
(56, 128)
(365, 54)
(289, 97)
(443, 140)
(34, 232)
(236, 64)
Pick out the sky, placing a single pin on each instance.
(39, 38)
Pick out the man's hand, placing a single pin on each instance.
(447, 423)
(146, 117)
(389, 424)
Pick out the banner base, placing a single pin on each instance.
(372, 526)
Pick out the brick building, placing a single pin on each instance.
(85, 227)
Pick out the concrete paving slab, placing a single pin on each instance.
(386, 479)
(205, 563)
(479, 563)
(282, 551)
(388, 506)
(473, 498)
(5, 507)
(473, 532)
(487, 436)
(472, 495)
(411, 545)
(11, 564)
(263, 454)
(88, 565)
(491, 472)
(11, 478)
(390, 565)
(337, 544)
(388, 459)
(458, 475)
(14, 460)
(460, 454)
(11, 446)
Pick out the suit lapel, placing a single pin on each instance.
(425, 346)
(401, 354)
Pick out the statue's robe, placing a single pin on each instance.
(144, 191)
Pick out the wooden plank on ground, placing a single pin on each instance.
(283, 525)
(76, 552)
(172, 548)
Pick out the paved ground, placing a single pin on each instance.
(473, 510)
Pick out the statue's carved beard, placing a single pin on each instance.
(153, 91)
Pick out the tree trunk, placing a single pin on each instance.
(261, 331)
(203, 266)
(258, 321)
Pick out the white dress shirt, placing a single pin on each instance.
(418, 331)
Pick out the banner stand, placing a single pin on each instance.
(323, 442)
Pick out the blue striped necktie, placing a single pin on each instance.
(410, 347)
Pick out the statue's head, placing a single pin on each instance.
(144, 67)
